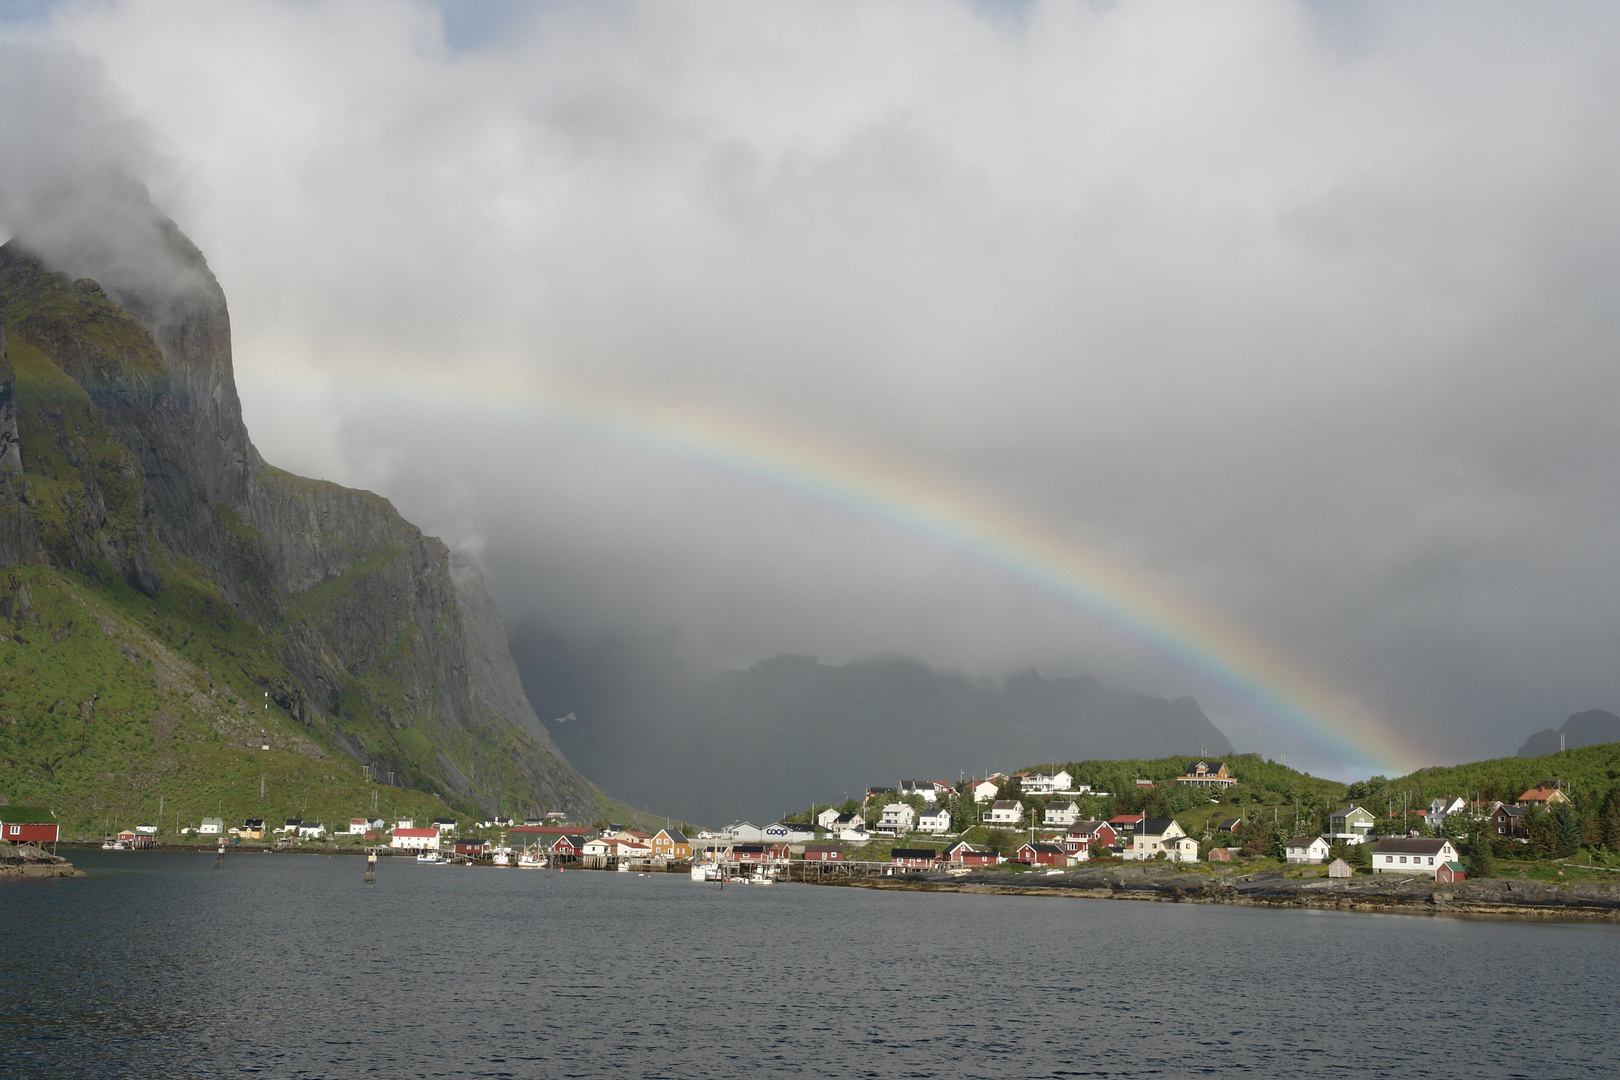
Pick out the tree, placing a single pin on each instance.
(1279, 848)
(1610, 817)
(1256, 838)
(1479, 860)
(1566, 831)
(1543, 836)
(1360, 855)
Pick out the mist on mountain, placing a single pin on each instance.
(788, 731)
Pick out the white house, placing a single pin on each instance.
(845, 822)
(312, 830)
(897, 820)
(1439, 808)
(934, 821)
(358, 826)
(1039, 783)
(1306, 849)
(1156, 835)
(405, 823)
(855, 833)
(445, 824)
(985, 790)
(1411, 855)
(829, 817)
(926, 790)
(1061, 812)
(415, 839)
(1005, 812)
(212, 826)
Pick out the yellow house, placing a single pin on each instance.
(1207, 774)
(1543, 794)
(671, 844)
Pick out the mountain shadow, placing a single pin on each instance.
(791, 730)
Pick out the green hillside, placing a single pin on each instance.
(1586, 773)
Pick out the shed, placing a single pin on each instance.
(27, 825)
(1448, 872)
(1219, 854)
(914, 858)
(1339, 868)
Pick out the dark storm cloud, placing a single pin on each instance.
(1307, 319)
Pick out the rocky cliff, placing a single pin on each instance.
(124, 461)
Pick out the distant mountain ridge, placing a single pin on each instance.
(789, 730)
(1582, 729)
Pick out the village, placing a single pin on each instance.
(1029, 821)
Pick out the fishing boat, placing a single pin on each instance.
(429, 857)
(531, 860)
(706, 871)
(501, 857)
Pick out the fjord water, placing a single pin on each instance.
(289, 966)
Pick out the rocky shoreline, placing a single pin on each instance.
(1490, 898)
(26, 860)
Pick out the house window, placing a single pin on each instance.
(1403, 858)
(1431, 860)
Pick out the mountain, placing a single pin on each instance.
(1582, 729)
(792, 730)
(165, 591)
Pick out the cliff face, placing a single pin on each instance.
(124, 458)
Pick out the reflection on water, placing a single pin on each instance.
(158, 965)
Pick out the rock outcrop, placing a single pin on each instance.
(124, 457)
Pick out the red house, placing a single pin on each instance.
(1083, 835)
(914, 858)
(567, 846)
(469, 846)
(824, 853)
(1042, 855)
(759, 853)
(963, 853)
(22, 832)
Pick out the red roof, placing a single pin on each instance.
(1538, 794)
(416, 832)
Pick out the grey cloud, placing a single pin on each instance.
(1306, 319)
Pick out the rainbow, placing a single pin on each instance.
(921, 505)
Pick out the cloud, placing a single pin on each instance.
(1305, 319)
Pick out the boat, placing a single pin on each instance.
(706, 871)
(428, 857)
(531, 860)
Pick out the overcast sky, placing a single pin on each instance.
(1305, 314)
